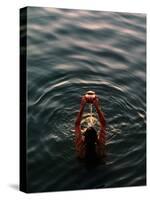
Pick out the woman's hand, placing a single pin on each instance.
(83, 101)
(90, 98)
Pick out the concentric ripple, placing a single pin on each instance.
(70, 52)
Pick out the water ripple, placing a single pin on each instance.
(70, 52)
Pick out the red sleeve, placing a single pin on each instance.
(78, 136)
(78, 120)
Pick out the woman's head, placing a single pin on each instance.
(90, 136)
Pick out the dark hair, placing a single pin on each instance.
(90, 136)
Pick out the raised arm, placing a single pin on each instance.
(79, 143)
(79, 117)
(102, 132)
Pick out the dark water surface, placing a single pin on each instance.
(68, 53)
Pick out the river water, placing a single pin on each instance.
(68, 53)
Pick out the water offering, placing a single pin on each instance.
(70, 52)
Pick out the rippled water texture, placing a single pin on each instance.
(68, 53)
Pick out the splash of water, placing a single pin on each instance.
(91, 115)
(89, 119)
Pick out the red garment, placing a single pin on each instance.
(79, 139)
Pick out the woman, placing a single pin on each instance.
(90, 145)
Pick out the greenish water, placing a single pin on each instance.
(68, 53)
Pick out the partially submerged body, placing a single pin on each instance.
(90, 145)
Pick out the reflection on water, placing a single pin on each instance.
(70, 52)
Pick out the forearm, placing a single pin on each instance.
(79, 115)
(78, 136)
(101, 118)
(102, 132)
(78, 120)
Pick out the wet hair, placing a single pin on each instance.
(90, 140)
(90, 136)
